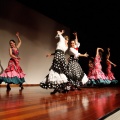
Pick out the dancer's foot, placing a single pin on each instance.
(21, 86)
(8, 87)
(65, 91)
(78, 88)
(55, 91)
(72, 88)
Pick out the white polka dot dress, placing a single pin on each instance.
(57, 79)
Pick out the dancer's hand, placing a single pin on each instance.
(48, 55)
(114, 65)
(108, 49)
(63, 31)
(101, 49)
(86, 55)
(17, 34)
(60, 32)
(75, 33)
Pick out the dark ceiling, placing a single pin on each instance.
(97, 22)
(94, 20)
(76, 13)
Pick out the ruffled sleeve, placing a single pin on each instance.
(74, 52)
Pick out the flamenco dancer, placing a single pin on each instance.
(13, 74)
(57, 79)
(96, 75)
(109, 73)
(90, 74)
(76, 75)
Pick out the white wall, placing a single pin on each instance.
(38, 38)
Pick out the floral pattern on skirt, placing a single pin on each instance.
(13, 74)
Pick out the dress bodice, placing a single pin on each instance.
(98, 62)
(74, 51)
(108, 65)
(15, 52)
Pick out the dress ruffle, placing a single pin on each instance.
(56, 79)
(13, 80)
(13, 74)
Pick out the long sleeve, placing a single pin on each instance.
(61, 44)
(77, 45)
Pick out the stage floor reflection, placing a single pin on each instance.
(35, 103)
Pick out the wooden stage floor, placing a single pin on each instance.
(35, 103)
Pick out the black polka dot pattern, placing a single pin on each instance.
(59, 65)
(75, 72)
(59, 62)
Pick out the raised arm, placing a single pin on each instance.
(59, 33)
(19, 40)
(97, 51)
(76, 40)
(108, 55)
(76, 37)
